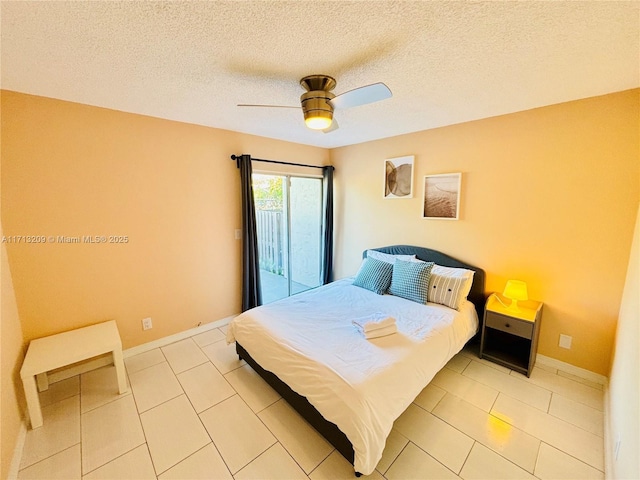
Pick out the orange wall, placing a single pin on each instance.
(549, 196)
(74, 170)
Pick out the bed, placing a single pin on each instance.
(351, 389)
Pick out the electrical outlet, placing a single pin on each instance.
(238, 234)
(565, 341)
(146, 323)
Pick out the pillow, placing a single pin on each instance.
(374, 275)
(410, 280)
(387, 257)
(449, 286)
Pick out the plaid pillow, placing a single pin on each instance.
(374, 275)
(410, 280)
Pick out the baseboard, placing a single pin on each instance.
(609, 444)
(14, 468)
(164, 341)
(572, 369)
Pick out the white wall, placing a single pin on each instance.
(623, 415)
(306, 228)
(11, 354)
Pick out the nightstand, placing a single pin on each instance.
(511, 338)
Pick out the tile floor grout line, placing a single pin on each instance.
(467, 457)
(115, 458)
(478, 441)
(577, 426)
(50, 456)
(280, 442)
(398, 456)
(543, 441)
(146, 444)
(575, 383)
(226, 464)
(511, 376)
(333, 449)
(535, 465)
(144, 434)
(198, 414)
(277, 442)
(148, 366)
(254, 413)
(264, 424)
(568, 454)
(566, 422)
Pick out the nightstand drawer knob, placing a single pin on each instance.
(507, 325)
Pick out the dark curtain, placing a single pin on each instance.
(327, 225)
(251, 294)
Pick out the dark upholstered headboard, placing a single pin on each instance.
(476, 295)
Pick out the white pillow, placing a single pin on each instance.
(449, 286)
(387, 257)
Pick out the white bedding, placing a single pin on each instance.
(361, 385)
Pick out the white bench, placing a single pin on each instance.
(55, 351)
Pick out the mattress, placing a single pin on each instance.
(309, 341)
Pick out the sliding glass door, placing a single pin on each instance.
(289, 224)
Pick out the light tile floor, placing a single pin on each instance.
(195, 411)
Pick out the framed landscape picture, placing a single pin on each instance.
(442, 196)
(398, 177)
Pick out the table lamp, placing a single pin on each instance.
(515, 290)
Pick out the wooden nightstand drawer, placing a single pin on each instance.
(511, 325)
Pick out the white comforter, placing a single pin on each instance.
(361, 385)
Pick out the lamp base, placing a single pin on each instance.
(514, 306)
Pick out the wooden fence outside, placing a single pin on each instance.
(270, 225)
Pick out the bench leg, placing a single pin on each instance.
(33, 401)
(120, 372)
(43, 382)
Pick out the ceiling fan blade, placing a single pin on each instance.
(268, 106)
(334, 126)
(361, 96)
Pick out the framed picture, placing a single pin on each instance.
(442, 196)
(398, 177)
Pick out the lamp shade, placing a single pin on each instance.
(319, 120)
(516, 290)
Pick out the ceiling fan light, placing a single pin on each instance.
(318, 112)
(318, 120)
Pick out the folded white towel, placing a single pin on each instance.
(381, 332)
(373, 322)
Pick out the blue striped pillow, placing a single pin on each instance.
(410, 280)
(374, 275)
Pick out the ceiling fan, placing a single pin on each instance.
(318, 102)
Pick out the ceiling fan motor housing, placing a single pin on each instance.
(318, 82)
(315, 102)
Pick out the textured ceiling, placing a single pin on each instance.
(446, 62)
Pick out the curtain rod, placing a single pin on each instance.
(236, 157)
